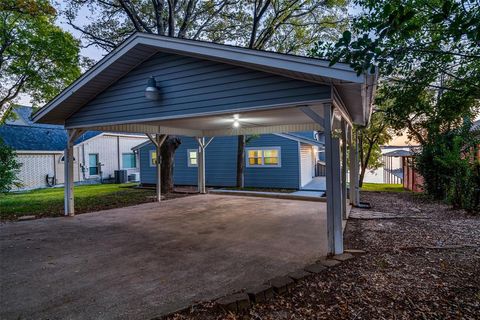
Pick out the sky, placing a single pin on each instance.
(91, 52)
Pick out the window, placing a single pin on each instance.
(153, 158)
(93, 164)
(192, 155)
(129, 160)
(264, 157)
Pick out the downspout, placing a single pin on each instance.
(118, 152)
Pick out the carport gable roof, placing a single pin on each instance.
(355, 91)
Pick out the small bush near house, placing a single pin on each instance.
(451, 169)
(9, 168)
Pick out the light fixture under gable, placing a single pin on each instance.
(151, 91)
(236, 120)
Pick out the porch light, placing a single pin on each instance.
(236, 120)
(151, 91)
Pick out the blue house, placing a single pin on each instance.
(287, 161)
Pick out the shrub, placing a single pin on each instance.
(9, 168)
(450, 168)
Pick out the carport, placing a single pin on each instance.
(168, 86)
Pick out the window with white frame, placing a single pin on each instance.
(264, 157)
(129, 160)
(192, 157)
(153, 158)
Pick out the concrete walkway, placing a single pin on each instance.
(317, 184)
(147, 260)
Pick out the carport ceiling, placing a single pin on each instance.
(223, 124)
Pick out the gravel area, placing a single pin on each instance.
(426, 267)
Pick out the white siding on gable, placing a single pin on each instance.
(34, 170)
(306, 164)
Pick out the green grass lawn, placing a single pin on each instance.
(88, 198)
(382, 187)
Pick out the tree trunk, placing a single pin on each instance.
(362, 175)
(240, 161)
(167, 152)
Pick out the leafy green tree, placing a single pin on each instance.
(289, 26)
(36, 57)
(9, 168)
(376, 134)
(427, 53)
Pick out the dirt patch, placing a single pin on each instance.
(414, 269)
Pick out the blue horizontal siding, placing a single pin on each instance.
(191, 86)
(286, 176)
(221, 164)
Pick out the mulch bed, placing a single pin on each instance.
(413, 269)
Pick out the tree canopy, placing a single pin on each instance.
(284, 25)
(427, 53)
(37, 57)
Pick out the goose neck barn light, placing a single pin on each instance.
(151, 91)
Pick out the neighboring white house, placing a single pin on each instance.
(40, 151)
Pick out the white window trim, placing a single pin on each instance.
(188, 158)
(150, 157)
(134, 157)
(98, 166)
(248, 165)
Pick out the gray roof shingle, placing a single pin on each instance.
(39, 137)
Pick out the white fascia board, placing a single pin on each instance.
(300, 139)
(39, 151)
(89, 139)
(141, 145)
(251, 58)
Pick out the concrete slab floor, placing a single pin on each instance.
(147, 260)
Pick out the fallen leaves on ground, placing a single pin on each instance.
(424, 268)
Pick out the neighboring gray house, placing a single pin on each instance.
(40, 148)
(286, 161)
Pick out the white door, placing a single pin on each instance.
(306, 164)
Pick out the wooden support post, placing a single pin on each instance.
(68, 161)
(68, 184)
(201, 164)
(334, 189)
(333, 177)
(344, 169)
(353, 159)
(158, 141)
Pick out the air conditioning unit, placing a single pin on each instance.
(134, 177)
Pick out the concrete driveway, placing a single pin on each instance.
(147, 260)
